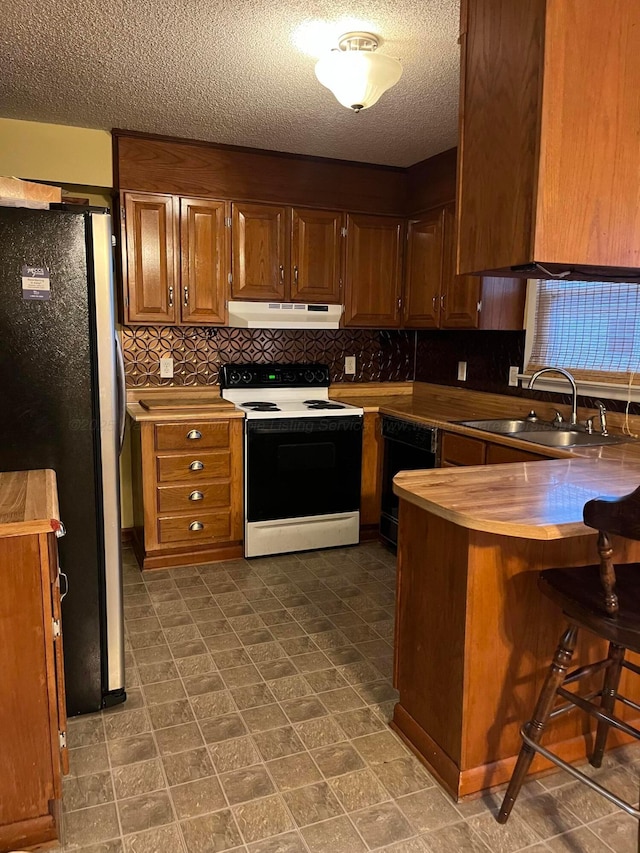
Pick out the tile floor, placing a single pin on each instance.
(259, 695)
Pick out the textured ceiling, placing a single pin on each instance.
(238, 73)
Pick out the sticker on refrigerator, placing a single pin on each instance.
(36, 283)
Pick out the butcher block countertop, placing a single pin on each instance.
(28, 502)
(529, 500)
(179, 404)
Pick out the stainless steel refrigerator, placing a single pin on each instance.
(62, 406)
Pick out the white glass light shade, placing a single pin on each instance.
(358, 78)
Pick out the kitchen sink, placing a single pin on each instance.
(507, 426)
(570, 438)
(540, 432)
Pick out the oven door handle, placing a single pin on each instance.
(305, 426)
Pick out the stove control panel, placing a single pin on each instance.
(274, 376)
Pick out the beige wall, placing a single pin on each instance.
(79, 159)
(55, 152)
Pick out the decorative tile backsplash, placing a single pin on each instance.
(198, 352)
(488, 355)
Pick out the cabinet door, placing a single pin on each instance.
(316, 255)
(423, 274)
(28, 713)
(461, 450)
(498, 454)
(150, 264)
(260, 262)
(373, 271)
(460, 293)
(205, 260)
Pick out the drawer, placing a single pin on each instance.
(188, 435)
(194, 497)
(186, 466)
(183, 528)
(461, 450)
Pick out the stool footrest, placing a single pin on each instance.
(577, 774)
(589, 669)
(632, 666)
(571, 706)
(611, 719)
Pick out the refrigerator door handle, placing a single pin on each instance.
(122, 393)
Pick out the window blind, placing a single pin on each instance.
(590, 328)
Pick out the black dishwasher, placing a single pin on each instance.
(407, 446)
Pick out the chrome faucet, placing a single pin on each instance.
(603, 417)
(574, 390)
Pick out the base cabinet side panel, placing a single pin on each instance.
(430, 624)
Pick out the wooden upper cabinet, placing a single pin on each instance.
(373, 271)
(435, 297)
(460, 297)
(316, 255)
(260, 257)
(550, 137)
(205, 258)
(423, 272)
(150, 257)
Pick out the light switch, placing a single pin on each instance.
(462, 371)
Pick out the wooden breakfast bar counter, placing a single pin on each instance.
(474, 636)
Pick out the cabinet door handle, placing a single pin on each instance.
(196, 496)
(186, 296)
(194, 434)
(66, 584)
(434, 302)
(196, 525)
(295, 274)
(281, 273)
(170, 296)
(196, 466)
(442, 301)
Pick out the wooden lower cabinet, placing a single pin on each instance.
(33, 753)
(457, 450)
(187, 491)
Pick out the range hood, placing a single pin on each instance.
(284, 315)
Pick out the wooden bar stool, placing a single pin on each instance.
(606, 601)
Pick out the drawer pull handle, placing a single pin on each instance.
(194, 434)
(196, 496)
(196, 525)
(196, 466)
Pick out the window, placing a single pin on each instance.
(589, 328)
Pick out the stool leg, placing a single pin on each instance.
(537, 724)
(607, 703)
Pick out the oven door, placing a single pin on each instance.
(303, 467)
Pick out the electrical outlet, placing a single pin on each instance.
(350, 364)
(166, 368)
(462, 371)
(513, 375)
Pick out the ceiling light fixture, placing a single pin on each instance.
(355, 73)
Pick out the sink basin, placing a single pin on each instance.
(539, 432)
(507, 426)
(570, 438)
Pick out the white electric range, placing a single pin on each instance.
(302, 461)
